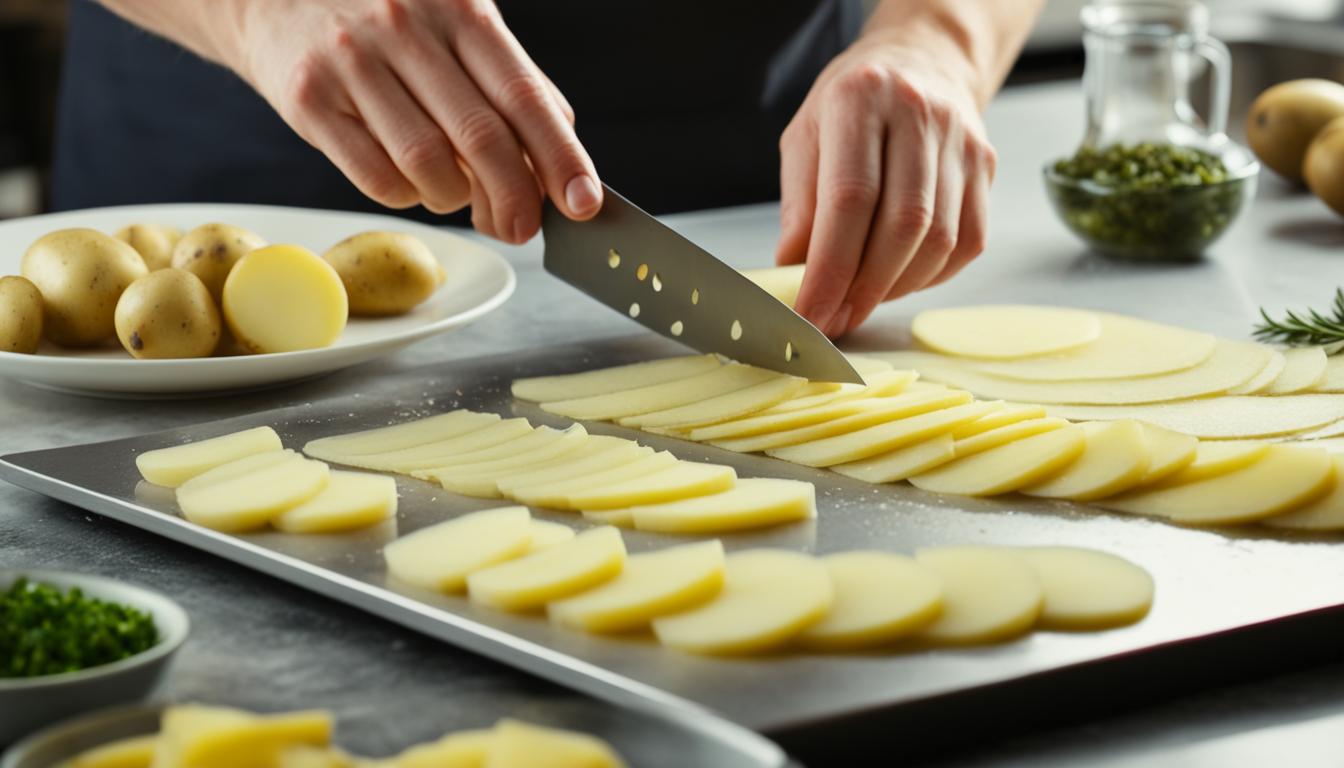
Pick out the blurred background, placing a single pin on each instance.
(32, 33)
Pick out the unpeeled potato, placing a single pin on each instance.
(1323, 167)
(211, 250)
(1284, 119)
(385, 273)
(20, 315)
(168, 314)
(154, 243)
(81, 274)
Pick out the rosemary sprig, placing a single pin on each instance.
(1311, 328)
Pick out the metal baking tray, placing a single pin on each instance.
(1209, 582)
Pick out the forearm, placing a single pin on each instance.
(984, 37)
(209, 28)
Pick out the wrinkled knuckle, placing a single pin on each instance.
(303, 90)
(865, 80)
(853, 195)
(913, 217)
(423, 153)
(389, 189)
(476, 14)
(915, 102)
(479, 131)
(939, 241)
(521, 92)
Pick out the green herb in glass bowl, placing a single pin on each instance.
(47, 631)
(1151, 201)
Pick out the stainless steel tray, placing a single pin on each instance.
(1208, 582)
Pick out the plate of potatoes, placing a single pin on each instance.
(155, 300)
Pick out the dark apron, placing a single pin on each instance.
(679, 103)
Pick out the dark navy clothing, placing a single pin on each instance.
(680, 104)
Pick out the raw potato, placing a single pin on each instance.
(521, 745)
(463, 749)
(226, 501)
(1008, 433)
(988, 594)
(1218, 458)
(1127, 347)
(1324, 514)
(902, 463)
(1284, 119)
(1086, 589)
(1286, 478)
(1006, 468)
(546, 535)
(543, 439)
(575, 386)
(781, 282)
(399, 436)
(81, 273)
(657, 397)
(133, 752)
(557, 494)
(528, 583)
(722, 408)
(768, 598)
(283, 298)
(441, 452)
(20, 315)
(211, 737)
(211, 251)
(1261, 381)
(171, 467)
(751, 503)
(1000, 332)
(650, 585)
(481, 478)
(1168, 452)
(879, 438)
(351, 500)
(1001, 416)
(579, 467)
(385, 273)
(441, 556)
(1221, 418)
(1304, 368)
(1115, 458)
(1232, 363)
(154, 243)
(167, 314)
(780, 418)
(1323, 168)
(879, 598)
(682, 480)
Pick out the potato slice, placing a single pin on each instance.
(877, 384)
(683, 480)
(521, 745)
(1086, 589)
(538, 437)
(722, 408)
(314, 757)
(351, 500)
(751, 503)
(1305, 369)
(1168, 453)
(781, 282)
(879, 438)
(989, 594)
(1001, 416)
(573, 386)
(1284, 479)
(556, 494)
(133, 752)
(878, 411)
(901, 463)
(591, 558)
(1006, 468)
(464, 749)
(659, 397)
(171, 467)
(441, 556)
(397, 437)
(481, 479)
(1004, 331)
(1115, 459)
(439, 453)
(879, 598)
(1008, 433)
(1333, 380)
(284, 298)
(226, 500)
(772, 422)
(580, 466)
(547, 534)
(1323, 514)
(1231, 364)
(1262, 380)
(1221, 418)
(621, 518)
(650, 585)
(211, 737)
(769, 597)
(1126, 347)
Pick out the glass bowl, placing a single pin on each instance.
(1170, 224)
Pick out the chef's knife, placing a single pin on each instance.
(628, 260)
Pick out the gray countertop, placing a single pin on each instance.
(260, 643)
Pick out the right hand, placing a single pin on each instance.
(430, 102)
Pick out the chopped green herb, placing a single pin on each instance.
(1155, 201)
(44, 631)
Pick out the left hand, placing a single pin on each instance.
(884, 178)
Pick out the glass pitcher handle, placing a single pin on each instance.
(1220, 82)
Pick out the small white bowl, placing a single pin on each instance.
(29, 703)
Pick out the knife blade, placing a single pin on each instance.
(640, 267)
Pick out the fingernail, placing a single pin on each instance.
(582, 195)
(840, 321)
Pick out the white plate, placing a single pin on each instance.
(479, 279)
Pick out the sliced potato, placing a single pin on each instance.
(989, 594)
(441, 556)
(651, 584)
(530, 582)
(1004, 331)
(171, 467)
(283, 298)
(879, 598)
(1088, 589)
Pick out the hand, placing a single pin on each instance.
(429, 102)
(884, 179)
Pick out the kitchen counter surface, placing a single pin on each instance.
(261, 643)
